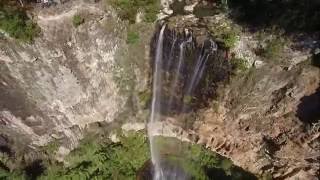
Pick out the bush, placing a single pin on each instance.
(128, 9)
(145, 98)
(132, 37)
(16, 23)
(228, 36)
(239, 65)
(103, 160)
(291, 15)
(77, 20)
(230, 39)
(273, 49)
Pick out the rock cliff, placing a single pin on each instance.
(68, 78)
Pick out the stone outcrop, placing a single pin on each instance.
(68, 78)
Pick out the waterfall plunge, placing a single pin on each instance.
(155, 106)
(160, 170)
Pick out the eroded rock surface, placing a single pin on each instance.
(267, 119)
(257, 126)
(69, 78)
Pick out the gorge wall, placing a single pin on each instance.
(68, 78)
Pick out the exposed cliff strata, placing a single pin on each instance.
(266, 119)
(262, 133)
(68, 78)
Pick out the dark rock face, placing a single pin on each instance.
(309, 108)
(35, 169)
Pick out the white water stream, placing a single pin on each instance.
(163, 172)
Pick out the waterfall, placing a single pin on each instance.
(179, 72)
(155, 106)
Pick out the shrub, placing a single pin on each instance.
(292, 15)
(239, 65)
(16, 23)
(103, 160)
(273, 48)
(230, 39)
(77, 20)
(132, 37)
(145, 98)
(128, 9)
(98, 158)
(228, 36)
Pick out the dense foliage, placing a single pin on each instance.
(292, 15)
(16, 23)
(103, 161)
(128, 9)
(94, 159)
(98, 158)
(239, 65)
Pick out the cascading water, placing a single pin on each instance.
(182, 76)
(155, 106)
(177, 73)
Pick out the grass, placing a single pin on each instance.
(227, 34)
(273, 48)
(132, 37)
(128, 9)
(16, 23)
(145, 98)
(230, 38)
(239, 65)
(77, 20)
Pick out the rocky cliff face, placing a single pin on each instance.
(257, 124)
(265, 119)
(68, 78)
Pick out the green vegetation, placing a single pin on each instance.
(145, 98)
(199, 162)
(77, 20)
(128, 9)
(273, 49)
(132, 37)
(187, 99)
(98, 158)
(103, 160)
(229, 38)
(239, 65)
(16, 23)
(291, 15)
(227, 35)
(51, 148)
